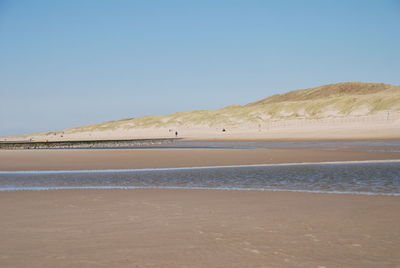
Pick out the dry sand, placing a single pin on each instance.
(375, 126)
(160, 158)
(197, 228)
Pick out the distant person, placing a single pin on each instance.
(176, 133)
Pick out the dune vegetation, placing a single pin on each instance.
(334, 100)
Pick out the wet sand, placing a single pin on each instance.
(76, 159)
(193, 228)
(197, 228)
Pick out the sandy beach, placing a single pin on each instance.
(197, 228)
(199, 134)
(193, 228)
(161, 158)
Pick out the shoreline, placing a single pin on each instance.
(197, 167)
(129, 188)
(114, 172)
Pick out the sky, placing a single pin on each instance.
(76, 62)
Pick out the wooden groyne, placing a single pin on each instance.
(13, 145)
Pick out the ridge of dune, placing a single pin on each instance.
(331, 90)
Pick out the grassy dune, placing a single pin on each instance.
(334, 100)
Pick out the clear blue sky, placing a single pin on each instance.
(68, 63)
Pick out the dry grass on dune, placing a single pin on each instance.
(328, 91)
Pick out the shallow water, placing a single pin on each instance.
(358, 178)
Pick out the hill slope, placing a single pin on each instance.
(328, 101)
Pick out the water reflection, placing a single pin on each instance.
(368, 178)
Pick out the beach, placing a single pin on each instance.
(199, 134)
(76, 159)
(197, 228)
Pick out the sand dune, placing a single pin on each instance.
(351, 110)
